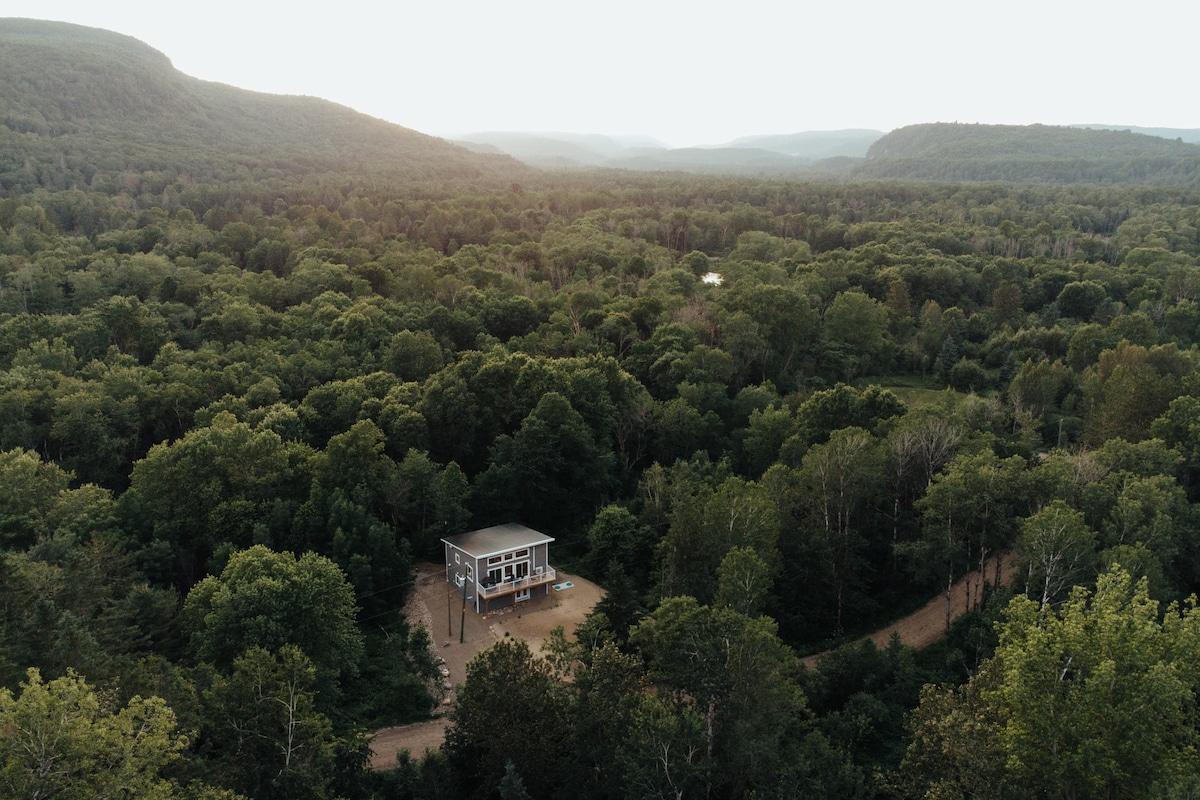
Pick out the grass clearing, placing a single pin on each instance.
(914, 391)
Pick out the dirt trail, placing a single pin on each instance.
(432, 605)
(927, 624)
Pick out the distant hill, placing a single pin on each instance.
(548, 150)
(1191, 135)
(77, 102)
(954, 140)
(814, 145)
(87, 107)
(1030, 154)
(579, 151)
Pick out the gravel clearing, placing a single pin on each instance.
(435, 606)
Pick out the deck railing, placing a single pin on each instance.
(547, 575)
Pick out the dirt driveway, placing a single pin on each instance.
(434, 605)
(440, 610)
(927, 624)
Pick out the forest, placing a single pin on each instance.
(240, 398)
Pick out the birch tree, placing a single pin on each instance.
(1058, 549)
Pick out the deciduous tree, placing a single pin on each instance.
(57, 740)
(265, 734)
(267, 599)
(508, 688)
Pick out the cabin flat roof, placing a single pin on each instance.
(497, 539)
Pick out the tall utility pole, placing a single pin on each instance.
(462, 620)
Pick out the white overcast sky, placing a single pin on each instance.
(684, 71)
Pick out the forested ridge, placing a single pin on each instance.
(87, 108)
(1019, 154)
(237, 404)
(1030, 154)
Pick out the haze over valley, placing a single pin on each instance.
(686, 76)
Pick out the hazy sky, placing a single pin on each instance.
(694, 72)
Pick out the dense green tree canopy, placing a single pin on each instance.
(59, 741)
(244, 367)
(1091, 700)
(268, 600)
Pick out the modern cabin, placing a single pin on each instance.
(499, 566)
